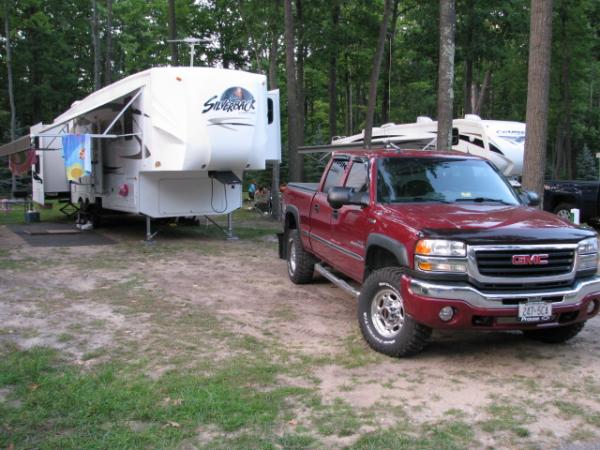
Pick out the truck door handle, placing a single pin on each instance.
(317, 207)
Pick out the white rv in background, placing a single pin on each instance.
(501, 142)
(166, 142)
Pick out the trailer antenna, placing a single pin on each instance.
(192, 42)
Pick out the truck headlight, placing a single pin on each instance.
(587, 254)
(437, 264)
(587, 246)
(441, 247)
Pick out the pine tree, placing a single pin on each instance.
(585, 165)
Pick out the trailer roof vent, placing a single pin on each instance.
(472, 117)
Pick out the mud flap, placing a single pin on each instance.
(282, 245)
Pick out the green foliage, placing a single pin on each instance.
(585, 165)
(53, 59)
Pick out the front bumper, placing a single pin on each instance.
(498, 309)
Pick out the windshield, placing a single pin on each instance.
(408, 180)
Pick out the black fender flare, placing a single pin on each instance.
(293, 210)
(282, 237)
(392, 245)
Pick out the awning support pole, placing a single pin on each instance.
(129, 103)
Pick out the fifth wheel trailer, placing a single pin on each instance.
(502, 142)
(166, 142)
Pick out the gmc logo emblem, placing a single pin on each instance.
(530, 260)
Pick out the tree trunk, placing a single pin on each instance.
(109, 56)
(469, 104)
(385, 101)
(563, 143)
(333, 49)
(538, 84)
(275, 179)
(446, 74)
(295, 160)
(349, 124)
(482, 92)
(11, 94)
(300, 71)
(469, 87)
(375, 72)
(273, 61)
(173, 33)
(96, 45)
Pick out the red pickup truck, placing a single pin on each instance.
(438, 240)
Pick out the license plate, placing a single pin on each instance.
(535, 311)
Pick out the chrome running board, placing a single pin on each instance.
(336, 280)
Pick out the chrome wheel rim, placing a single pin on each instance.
(563, 214)
(387, 313)
(292, 259)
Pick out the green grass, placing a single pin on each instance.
(340, 420)
(441, 436)
(16, 215)
(506, 417)
(70, 408)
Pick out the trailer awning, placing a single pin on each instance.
(16, 146)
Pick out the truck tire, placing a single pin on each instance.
(556, 335)
(301, 264)
(383, 322)
(563, 210)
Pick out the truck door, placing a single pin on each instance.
(321, 212)
(350, 225)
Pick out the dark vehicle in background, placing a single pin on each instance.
(561, 196)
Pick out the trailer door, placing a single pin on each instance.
(273, 152)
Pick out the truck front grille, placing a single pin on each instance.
(499, 263)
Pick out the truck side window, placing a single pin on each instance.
(335, 174)
(358, 176)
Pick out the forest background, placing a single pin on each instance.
(62, 50)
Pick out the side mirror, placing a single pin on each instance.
(532, 198)
(340, 196)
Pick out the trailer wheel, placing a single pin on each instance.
(556, 335)
(301, 264)
(563, 210)
(383, 321)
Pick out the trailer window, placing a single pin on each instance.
(269, 111)
(335, 174)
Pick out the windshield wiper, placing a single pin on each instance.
(483, 199)
(429, 199)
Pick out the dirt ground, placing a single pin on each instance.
(130, 299)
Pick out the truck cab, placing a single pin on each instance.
(430, 240)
